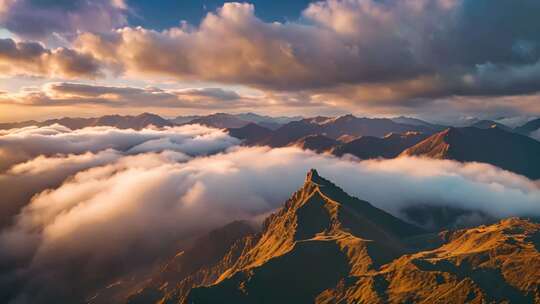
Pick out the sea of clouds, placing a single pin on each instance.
(80, 208)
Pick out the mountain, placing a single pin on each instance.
(347, 126)
(390, 146)
(417, 122)
(486, 124)
(529, 127)
(225, 120)
(205, 251)
(122, 122)
(220, 120)
(317, 143)
(305, 248)
(325, 246)
(378, 127)
(251, 133)
(133, 122)
(267, 121)
(292, 132)
(180, 120)
(510, 151)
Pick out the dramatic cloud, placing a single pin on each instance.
(37, 19)
(408, 49)
(362, 56)
(87, 231)
(69, 94)
(31, 58)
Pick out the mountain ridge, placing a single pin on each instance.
(507, 150)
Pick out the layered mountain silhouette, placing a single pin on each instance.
(335, 128)
(251, 133)
(226, 120)
(510, 151)
(122, 122)
(217, 120)
(317, 143)
(325, 246)
(390, 146)
(417, 122)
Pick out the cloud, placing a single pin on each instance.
(70, 93)
(34, 159)
(18, 145)
(441, 48)
(339, 56)
(31, 58)
(24, 180)
(37, 19)
(85, 232)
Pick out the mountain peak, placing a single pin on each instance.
(314, 177)
(312, 173)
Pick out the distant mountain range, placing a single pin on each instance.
(325, 246)
(336, 128)
(217, 120)
(484, 141)
(224, 120)
(118, 121)
(339, 128)
(366, 138)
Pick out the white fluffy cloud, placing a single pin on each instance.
(19, 145)
(34, 159)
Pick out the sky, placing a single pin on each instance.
(170, 13)
(439, 60)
